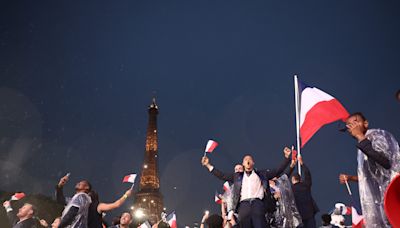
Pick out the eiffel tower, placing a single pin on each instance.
(149, 199)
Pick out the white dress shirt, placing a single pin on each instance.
(251, 187)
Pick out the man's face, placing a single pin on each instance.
(56, 223)
(238, 168)
(25, 211)
(82, 186)
(126, 219)
(248, 163)
(356, 119)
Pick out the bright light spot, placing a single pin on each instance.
(164, 208)
(152, 201)
(144, 200)
(139, 213)
(132, 207)
(145, 166)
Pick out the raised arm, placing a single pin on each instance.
(60, 198)
(220, 175)
(10, 213)
(376, 155)
(307, 175)
(279, 171)
(102, 207)
(291, 167)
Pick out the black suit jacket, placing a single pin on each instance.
(302, 194)
(28, 223)
(265, 175)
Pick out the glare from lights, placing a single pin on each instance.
(152, 201)
(164, 208)
(132, 207)
(145, 166)
(139, 213)
(144, 200)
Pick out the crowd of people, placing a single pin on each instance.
(82, 210)
(261, 198)
(275, 198)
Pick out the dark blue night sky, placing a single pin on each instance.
(76, 79)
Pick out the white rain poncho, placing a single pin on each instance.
(81, 201)
(373, 178)
(286, 214)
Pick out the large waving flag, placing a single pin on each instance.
(171, 220)
(316, 109)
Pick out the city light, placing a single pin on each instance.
(139, 213)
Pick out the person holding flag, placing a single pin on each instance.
(23, 218)
(305, 203)
(251, 189)
(378, 163)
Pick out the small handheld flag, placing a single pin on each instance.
(130, 179)
(171, 220)
(294, 154)
(146, 224)
(217, 198)
(18, 196)
(226, 186)
(211, 145)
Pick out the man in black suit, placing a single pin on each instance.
(23, 218)
(302, 194)
(251, 193)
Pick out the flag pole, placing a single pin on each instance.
(297, 102)
(348, 187)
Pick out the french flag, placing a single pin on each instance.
(171, 220)
(211, 145)
(129, 178)
(356, 219)
(217, 198)
(146, 224)
(18, 196)
(226, 186)
(317, 109)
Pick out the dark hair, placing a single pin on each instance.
(88, 184)
(163, 225)
(326, 219)
(214, 221)
(358, 114)
(116, 220)
(296, 177)
(94, 197)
